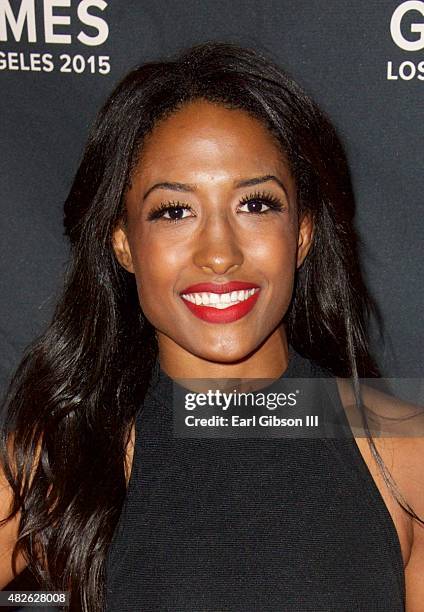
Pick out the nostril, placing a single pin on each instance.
(219, 268)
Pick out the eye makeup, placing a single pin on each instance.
(159, 211)
(257, 198)
(263, 197)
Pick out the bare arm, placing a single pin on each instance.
(9, 530)
(410, 458)
(8, 535)
(403, 454)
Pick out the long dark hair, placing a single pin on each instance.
(71, 404)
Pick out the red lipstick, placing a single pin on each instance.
(221, 315)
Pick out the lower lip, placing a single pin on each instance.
(224, 315)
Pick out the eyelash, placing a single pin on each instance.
(270, 200)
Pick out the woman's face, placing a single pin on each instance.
(212, 201)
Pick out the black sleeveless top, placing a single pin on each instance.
(251, 525)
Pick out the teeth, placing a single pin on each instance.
(219, 300)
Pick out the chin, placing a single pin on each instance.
(226, 355)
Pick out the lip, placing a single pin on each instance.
(220, 287)
(225, 315)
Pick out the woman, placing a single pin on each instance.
(213, 175)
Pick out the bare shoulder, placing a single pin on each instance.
(8, 531)
(397, 428)
(398, 433)
(388, 416)
(130, 454)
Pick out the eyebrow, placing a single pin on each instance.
(188, 188)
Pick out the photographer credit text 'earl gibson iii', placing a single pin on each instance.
(216, 413)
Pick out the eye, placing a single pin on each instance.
(169, 211)
(256, 202)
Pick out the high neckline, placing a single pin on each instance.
(298, 367)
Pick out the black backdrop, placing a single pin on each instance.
(362, 61)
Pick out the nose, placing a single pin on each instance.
(218, 250)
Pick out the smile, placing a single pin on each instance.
(219, 300)
(221, 307)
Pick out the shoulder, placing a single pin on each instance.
(9, 525)
(397, 428)
(398, 434)
(129, 453)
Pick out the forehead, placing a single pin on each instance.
(203, 137)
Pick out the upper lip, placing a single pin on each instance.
(219, 287)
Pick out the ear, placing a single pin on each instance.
(306, 232)
(122, 248)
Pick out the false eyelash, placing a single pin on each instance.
(268, 198)
(157, 213)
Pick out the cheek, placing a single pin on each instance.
(275, 253)
(157, 265)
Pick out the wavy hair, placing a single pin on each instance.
(70, 406)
